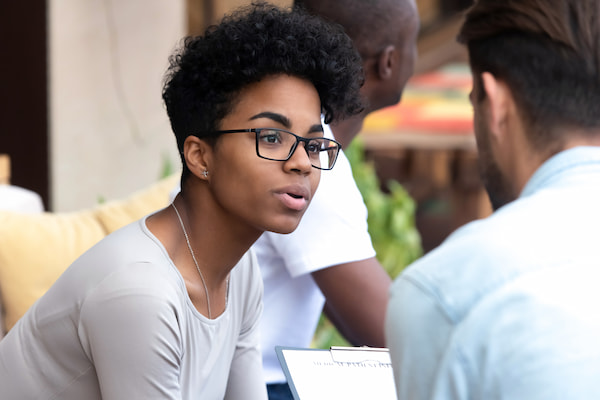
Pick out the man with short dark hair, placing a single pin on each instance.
(329, 262)
(506, 307)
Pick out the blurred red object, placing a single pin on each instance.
(436, 102)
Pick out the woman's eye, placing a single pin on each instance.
(270, 137)
(313, 147)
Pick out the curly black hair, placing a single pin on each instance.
(254, 42)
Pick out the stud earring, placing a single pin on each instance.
(205, 173)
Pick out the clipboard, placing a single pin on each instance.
(349, 373)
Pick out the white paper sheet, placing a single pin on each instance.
(341, 373)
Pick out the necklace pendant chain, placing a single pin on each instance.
(187, 240)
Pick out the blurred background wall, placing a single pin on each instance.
(109, 133)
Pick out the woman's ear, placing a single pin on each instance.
(198, 156)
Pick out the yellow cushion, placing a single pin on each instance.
(36, 248)
(115, 214)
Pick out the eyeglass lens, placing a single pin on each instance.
(279, 145)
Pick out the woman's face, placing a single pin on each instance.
(268, 195)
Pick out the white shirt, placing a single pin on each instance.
(14, 198)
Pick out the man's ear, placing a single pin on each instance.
(385, 62)
(198, 154)
(500, 102)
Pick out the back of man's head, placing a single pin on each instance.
(548, 53)
(374, 27)
(371, 24)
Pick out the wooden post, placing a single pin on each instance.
(4, 169)
(202, 13)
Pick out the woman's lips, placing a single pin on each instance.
(294, 198)
(295, 203)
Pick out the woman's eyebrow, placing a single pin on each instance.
(281, 119)
(316, 128)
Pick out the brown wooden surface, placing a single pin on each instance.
(443, 180)
(437, 44)
(4, 169)
(202, 13)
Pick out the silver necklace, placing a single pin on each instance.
(187, 240)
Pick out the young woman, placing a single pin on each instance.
(168, 307)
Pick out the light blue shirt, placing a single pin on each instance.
(508, 307)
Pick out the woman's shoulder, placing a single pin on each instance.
(131, 262)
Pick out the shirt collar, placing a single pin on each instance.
(559, 164)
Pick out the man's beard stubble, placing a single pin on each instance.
(495, 183)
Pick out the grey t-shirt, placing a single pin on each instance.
(119, 324)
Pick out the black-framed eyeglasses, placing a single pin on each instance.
(279, 145)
